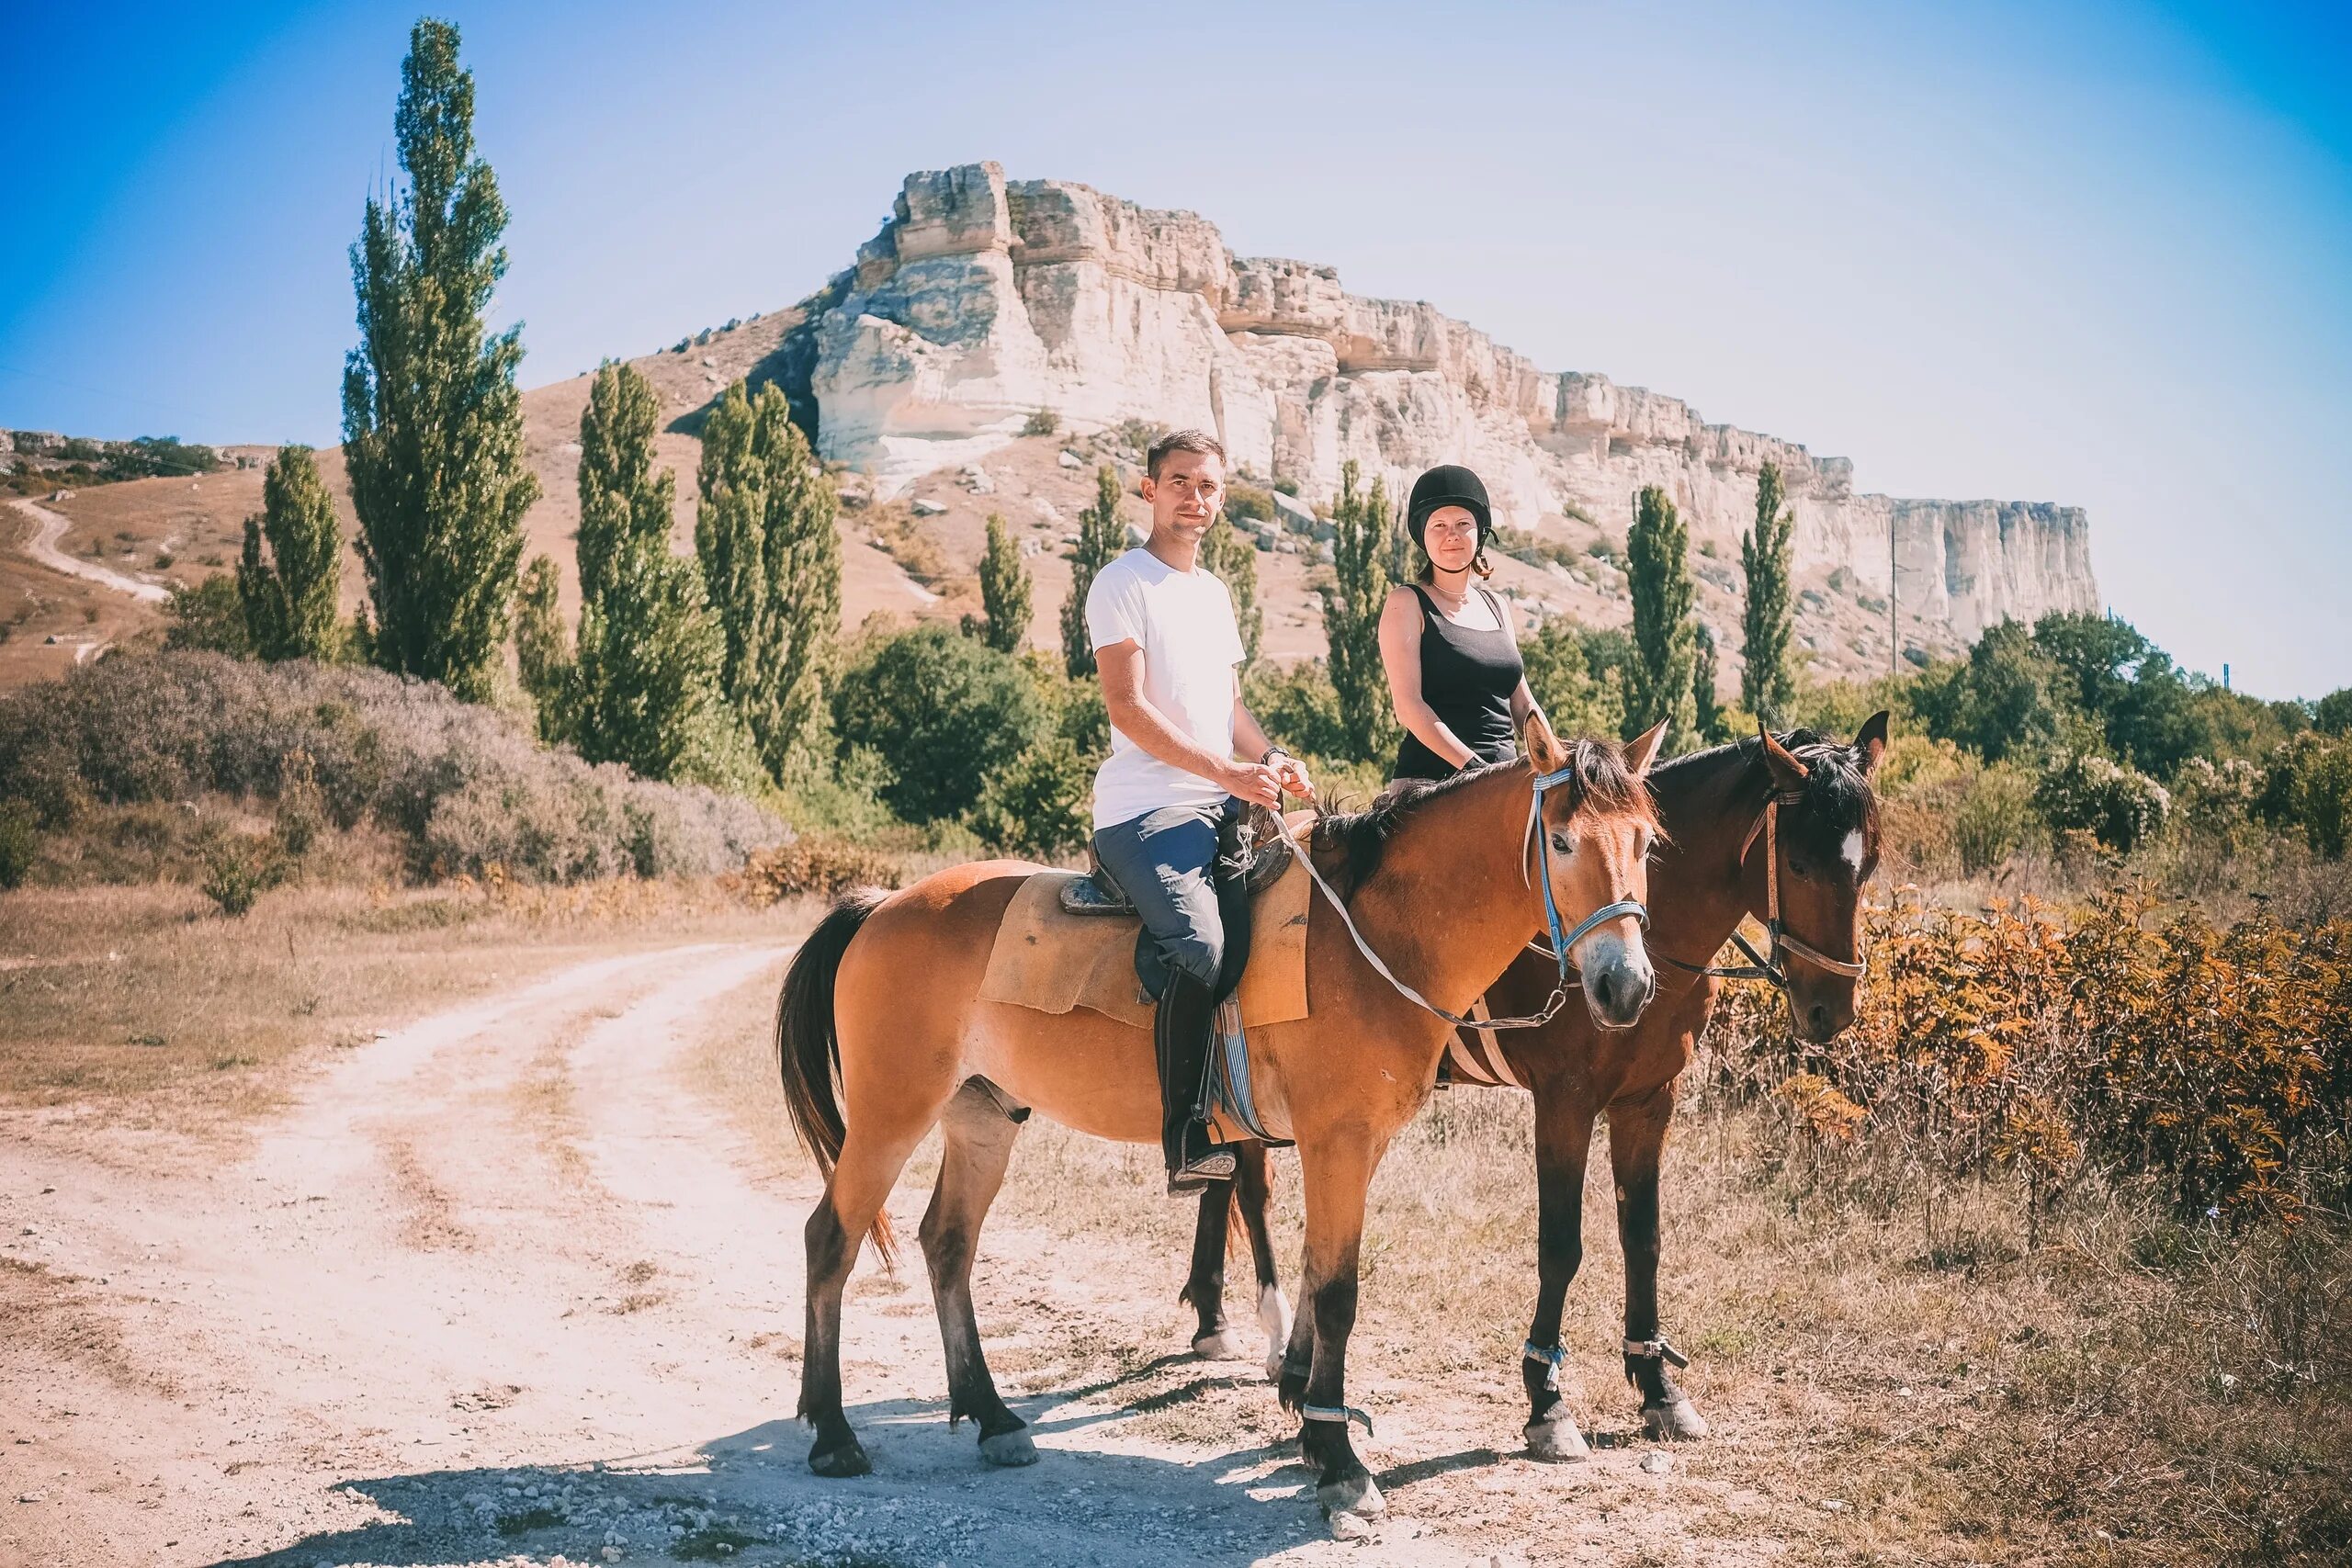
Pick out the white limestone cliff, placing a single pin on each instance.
(982, 300)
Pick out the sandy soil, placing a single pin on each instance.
(509, 1281)
(49, 527)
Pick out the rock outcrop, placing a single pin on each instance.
(983, 300)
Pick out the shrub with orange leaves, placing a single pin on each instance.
(2214, 1065)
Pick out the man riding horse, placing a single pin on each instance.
(1170, 654)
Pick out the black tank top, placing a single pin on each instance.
(1467, 678)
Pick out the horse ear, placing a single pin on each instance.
(1544, 748)
(1643, 749)
(1788, 773)
(1871, 741)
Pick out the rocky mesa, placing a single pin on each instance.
(983, 300)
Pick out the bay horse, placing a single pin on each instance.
(1443, 885)
(1808, 802)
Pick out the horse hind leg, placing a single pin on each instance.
(978, 1144)
(1213, 1337)
(868, 1166)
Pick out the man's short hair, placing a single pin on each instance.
(1182, 441)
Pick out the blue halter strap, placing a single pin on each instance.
(1563, 941)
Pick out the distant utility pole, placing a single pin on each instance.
(1892, 663)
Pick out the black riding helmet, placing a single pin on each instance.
(1448, 484)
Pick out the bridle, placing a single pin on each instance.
(1563, 940)
(1771, 966)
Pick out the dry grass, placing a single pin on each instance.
(2116, 1395)
(140, 1005)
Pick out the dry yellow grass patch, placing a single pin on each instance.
(142, 1005)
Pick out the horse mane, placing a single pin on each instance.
(1837, 792)
(1599, 781)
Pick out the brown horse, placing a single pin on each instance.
(884, 995)
(1785, 829)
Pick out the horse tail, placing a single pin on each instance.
(808, 1044)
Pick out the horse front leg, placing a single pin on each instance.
(1636, 1152)
(1337, 1176)
(1563, 1141)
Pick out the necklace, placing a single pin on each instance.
(1451, 601)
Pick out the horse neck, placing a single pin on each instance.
(1451, 901)
(1707, 805)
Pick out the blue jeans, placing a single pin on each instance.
(1162, 861)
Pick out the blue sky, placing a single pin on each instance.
(2094, 254)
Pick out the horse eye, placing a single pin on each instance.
(1562, 844)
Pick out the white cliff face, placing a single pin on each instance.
(981, 301)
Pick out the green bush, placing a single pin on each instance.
(19, 840)
(2121, 806)
(945, 713)
(1297, 707)
(1043, 421)
(1037, 806)
(238, 869)
(208, 618)
(1245, 499)
(1995, 819)
(2307, 787)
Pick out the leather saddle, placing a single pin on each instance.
(1096, 894)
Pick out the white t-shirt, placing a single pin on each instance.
(1184, 622)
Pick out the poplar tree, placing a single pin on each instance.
(772, 558)
(650, 650)
(1229, 554)
(1706, 708)
(1351, 605)
(543, 651)
(1004, 589)
(1659, 571)
(1766, 685)
(432, 423)
(289, 591)
(1100, 540)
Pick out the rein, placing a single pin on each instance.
(1563, 941)
(1772, 968)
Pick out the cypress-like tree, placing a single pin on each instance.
(772, 558)
(432, 423)
(1229, 554)
(1767, 685)
(543, 651)
(1099, 539)
(289, 593)
(1706, 708)
(650, 650)
(1658, 551)
(1004, 589)
(1351, 605)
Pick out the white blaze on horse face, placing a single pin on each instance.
(1852, 849)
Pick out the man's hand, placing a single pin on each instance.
(1291, 774)
(1255, 783)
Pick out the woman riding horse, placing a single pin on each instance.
(1783, 829)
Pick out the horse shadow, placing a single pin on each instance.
(748, 1496)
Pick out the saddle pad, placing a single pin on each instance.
(1051, 961)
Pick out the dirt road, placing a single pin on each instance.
(503, 1282)
(49, 527)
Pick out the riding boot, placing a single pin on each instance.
(1182, 1031)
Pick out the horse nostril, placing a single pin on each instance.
(1600, 988)
(1820, 1018)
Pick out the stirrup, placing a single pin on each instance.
(1215, 1162)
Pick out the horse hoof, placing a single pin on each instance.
(1357, 1495)
(1223, 1346)
(1556, 1439)
(1010, 1450)
(1679, 1421)
(839, 1465)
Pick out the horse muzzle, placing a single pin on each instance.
(1618, 981)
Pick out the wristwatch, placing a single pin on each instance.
(1267, 758)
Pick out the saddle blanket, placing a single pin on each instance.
(1052, 961)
